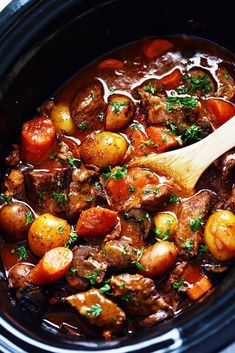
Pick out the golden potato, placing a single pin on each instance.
(60, 115)
(220, 235)
(119, 113)
(165, 223)
(15, 219)
(48, 232)
(103, 148)
(158, 258)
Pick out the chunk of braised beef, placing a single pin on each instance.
(199, 82)
(119, 253)
(156, 318)
(142, 218)
(191, 218)
(176, 275)
(42, 186)
(86, 104)
(98, 310)
(152, 197)
(226, 87)
(31, 299)
(88, 267)
(137, 294)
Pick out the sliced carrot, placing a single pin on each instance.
(96, 222)
(161, 139)
(52, 266)
(172, 80)
(199, 288)
(141, 145)
(192, 273)
(157, 47)
(130, 186)
(113, 64)
(223, 110)
(36, 139)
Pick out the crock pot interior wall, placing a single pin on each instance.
(57, 39)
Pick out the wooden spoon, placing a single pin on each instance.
(187, 164)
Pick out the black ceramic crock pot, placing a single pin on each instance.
(43, 43)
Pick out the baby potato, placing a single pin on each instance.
(119, 113)
(220, 235)
(103, 148)
(48, 232)
(165, 224)
(158, 258)
(14, 221)
(60, 115)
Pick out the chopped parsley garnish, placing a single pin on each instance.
(73, 270)
(119, 173)
(182, 90)
(151, 88)
(177, 284)
(174, 103)
(104, 249)
(92, 277)
(122, 286)
(188, 245)
(105, 289)
(126, 297)
(131, 188)
(5, 199)
(192, 134)
(72, 238)
(60, 197)
(174, 199)
(156, 191)
(226, 75)
(203, 249)
(161, 235)
(100, 116)
(112, 89)
(89, 198)
(196, 223)
(83, 125)
(61, 230)
(164, 138)
(148, 142)
(172, 128)
(40, 197)
(139, 254)
(116, 106)
(29, 218)
(135, 126)
(92, 94)
(200, 83)
(74, 162)
(94, 310)
(53, 155)
(98, 185)
(21, 251)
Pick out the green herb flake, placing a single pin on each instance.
(29, 218)
(60, 198)
(188, 245)
(226, 75)
(72, 237)
(105, 289)
(203, 249)
(74, 162)
(122, 286)
(6, 199)
(92, 94)
(100, 116)
(117, 106)
(53, 155)
(21, 252)
(139, 254)
(192, 134)
(172, 128)
(95, 310)
(83, 126)
(73, 270)
(164, 138)
(131, 188)
(126, 297)
(112, 89)
(40, 197)
(98, 185)
(196, 223)
(89, 198)
(175, 103)
(151, 88)
(92, 277)
(200, 83)
(61, 230)
(178, 284)
(174, 199)
(104, 249)
(118, 174)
